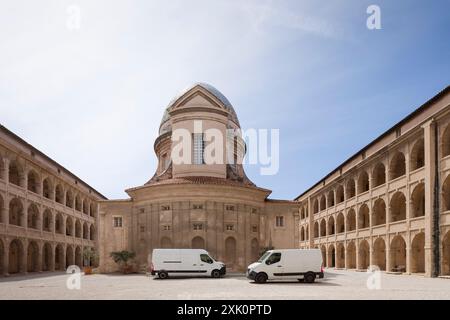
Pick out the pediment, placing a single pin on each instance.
(198, 97)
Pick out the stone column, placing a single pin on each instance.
(6, 257)
(370, 254)
(5, 212)
(63, 258)
(357, 254)
(51, 266)
(408, 257)
(23, 260)
(430, 158)
(388, 253)
(39, 259)
(345, 256)
(310, 224)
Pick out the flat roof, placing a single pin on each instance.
(43, 155)
(438, 96)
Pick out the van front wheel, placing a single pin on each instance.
(215, 274)
(163, 275)
(261, 278)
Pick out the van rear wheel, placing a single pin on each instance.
(309, 277)
(261, 278)
(163, 275)
(215, 274)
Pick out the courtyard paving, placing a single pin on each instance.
(337, 284)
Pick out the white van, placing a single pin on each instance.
(301, 264)
(185, 262)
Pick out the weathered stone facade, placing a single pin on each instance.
(215, 207)
(47, 215)
(388, 205)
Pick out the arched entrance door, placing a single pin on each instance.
(363, 255)
(418, 254)
(379, 254)
(15, 257)
(331, 261)
(446, 254)
(69, 256)
(32, 257)
(47, 257)
(340, 262)
(230, 252)
(351, 255)
(78, 257)
(166, 243)
(398, 254)
(198, 243)
(255, 250)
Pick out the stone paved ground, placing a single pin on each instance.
(338, 284)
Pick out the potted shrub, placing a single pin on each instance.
(90, 258)
(122, 258)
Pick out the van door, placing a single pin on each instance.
(206, 263)
(274, 264)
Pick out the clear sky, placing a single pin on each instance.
(92, 97)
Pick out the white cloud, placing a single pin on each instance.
(93, 98)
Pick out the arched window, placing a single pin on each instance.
(323, 203)
(398, 207)
(78, 203)
(446, 142)
(331, 226)
(316, 206)
(418, 155)
(47, 221)
(2, 204)
(59, 194)
(92, 232)
(16, 214)
(351, 220)
(47, 188)
(69, 226)
(92, 209)
(340, 223)
(340, 194)
(85, 207)
(350, 189)
(363, 182)
(316, 229)
(33, 217)
(379, 175)
(78, 229)
(33, 181)
(59, 223)
(363, 217)
(85, 231)
(397, 167)
(446, 194)
(379, 212)
(330, 198)
(69, 199)
(15, 173)
(323, 228)
(418, 201)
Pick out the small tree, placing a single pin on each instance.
(122, 258)
(90, 257)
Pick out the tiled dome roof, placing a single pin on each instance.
(165, 123)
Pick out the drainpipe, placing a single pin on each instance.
(436, 207)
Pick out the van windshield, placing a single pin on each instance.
(264, 256)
